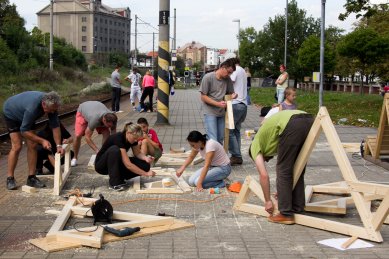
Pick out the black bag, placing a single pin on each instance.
(265, 110)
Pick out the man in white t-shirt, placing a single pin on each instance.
(136, 93)
(239, 107)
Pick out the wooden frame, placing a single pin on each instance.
(59, 176)
(371, 222)
(58, 239)
(157, 187)
(379, 145)
(177, 159)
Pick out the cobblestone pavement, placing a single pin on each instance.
(219, 232)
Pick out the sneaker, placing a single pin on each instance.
(134, 108)
(148, 111)
(119, 111)
(282, 219)
(73, 162)
(236, 160)
(35, 182)
(11, 184)
(141, 110)
(117, 188)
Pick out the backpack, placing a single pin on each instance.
(265, 110)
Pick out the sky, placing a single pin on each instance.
(209, 22)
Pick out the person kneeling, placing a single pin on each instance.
(217, 165)
(112, 158)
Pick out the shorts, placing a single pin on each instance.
(81, 125)
(12, 126)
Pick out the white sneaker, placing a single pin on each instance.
(119, 111)
(134, 108)
(73, 162)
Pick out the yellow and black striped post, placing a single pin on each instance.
(163, 63)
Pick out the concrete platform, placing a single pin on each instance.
(219, 231)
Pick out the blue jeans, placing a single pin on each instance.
(214, 178)
(248, 98)
(240, 112)
(215, 127)
(280, 95)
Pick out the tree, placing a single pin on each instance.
(366, 48)
(8, 60)
(362, 8)
(248, 51)
(271, 40)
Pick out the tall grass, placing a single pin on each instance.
(358, 110)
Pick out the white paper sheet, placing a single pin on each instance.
(338, 242)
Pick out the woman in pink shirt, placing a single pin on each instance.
(217, 165)
(148, 90)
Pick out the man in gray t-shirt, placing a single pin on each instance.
(213, 88)
(116, 89)
(92, 115)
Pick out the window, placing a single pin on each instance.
(83, 38)
(83, 19)
(83, 28)
(83, 48)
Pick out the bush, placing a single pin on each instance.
(8, 60)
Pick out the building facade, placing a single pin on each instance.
(192, 53)
(89, 25)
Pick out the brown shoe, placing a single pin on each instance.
(282, 219)
(236, 160)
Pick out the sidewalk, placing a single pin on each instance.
(219, 232)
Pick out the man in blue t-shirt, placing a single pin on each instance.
(20, 113)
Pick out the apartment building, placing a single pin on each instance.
(192, 53)
(89, 25)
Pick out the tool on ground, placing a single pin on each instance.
(122, 232)
(163, 214)
(235, 187)
(102, 210)
(214, 190)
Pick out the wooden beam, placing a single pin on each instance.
(61, 220)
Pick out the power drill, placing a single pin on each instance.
(122, 232)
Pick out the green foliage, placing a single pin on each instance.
(361, 8)
(309, 56)
(355, 108)
(117, 58)
(8, 60)
(270, 40)
(248, 51)
(366, 48)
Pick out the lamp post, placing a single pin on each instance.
(286, 32)
(238, 21)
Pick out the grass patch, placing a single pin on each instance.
(359, 110)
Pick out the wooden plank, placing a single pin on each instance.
(381, 213)
(136, 183)
(319, 223)
(91, 239)
(181, 183)
(59, 176)
(91, 163)
(127, 216)
(61, 220)
(351, 240)
(29, 189)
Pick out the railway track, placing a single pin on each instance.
(66, 112)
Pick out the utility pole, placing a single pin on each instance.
(175, 26)
(136, 39)
(51, 35)
(163, 63)
(286, 32)
(322, 30)
(153, 58)
(129, 42)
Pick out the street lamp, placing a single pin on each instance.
(238, 21)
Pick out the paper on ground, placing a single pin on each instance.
(338, 242)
